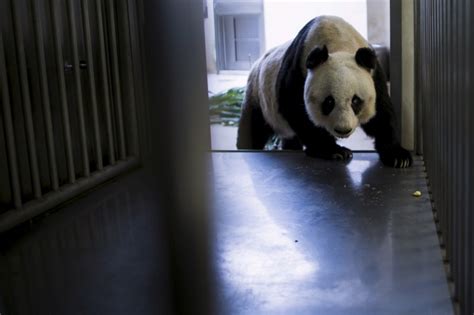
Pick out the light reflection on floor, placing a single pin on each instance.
(264, 261)
(356, 169)
(296, 235)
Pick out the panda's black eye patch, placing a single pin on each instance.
(357, 103)
(328, 105)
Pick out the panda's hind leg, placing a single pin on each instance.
(253, 132)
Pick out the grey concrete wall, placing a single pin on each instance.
(408, 75)
(179, 140)
(210, 31)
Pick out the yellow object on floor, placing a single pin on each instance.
(417, 194)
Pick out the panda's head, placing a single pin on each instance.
(339, 91)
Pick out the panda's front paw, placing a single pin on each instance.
(396, 156)
(336, 152)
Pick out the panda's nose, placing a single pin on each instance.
(343, 132)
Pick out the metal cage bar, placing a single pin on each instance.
(116, 78)
(62, 90)
(92, 81)
(129, 67)
(36, 207)
(444, 71)
(61, 115)
(77, 75)
(468, 261)
(26, 100)
(9, 131)
(105, 81)
(39, 38)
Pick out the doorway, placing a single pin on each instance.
(241, 40)
(238, 32)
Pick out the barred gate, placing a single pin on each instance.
(444, 72)
(69, 73)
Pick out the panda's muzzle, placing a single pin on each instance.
(343, 132)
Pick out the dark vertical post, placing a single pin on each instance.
(418, 83)
(176, 62)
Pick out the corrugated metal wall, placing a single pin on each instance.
(69, 89)
(444, 68)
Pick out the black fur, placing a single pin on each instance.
(356, 104)
(291, 144)
(317, 57)
(328, 105)
(366, 58)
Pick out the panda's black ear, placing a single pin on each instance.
(317, 57)
(366, 58)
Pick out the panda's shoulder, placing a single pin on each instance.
(334, 32)
(326, 27)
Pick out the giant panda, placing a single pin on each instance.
(319, 87)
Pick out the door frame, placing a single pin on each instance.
(396, 61)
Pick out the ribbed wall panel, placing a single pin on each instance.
(68, 102)
(443, 48)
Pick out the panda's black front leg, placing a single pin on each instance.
(319, 143)
(381, 127)
(394, 156)
(388, 147)
(336, 152)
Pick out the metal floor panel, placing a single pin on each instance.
(297, 235)
(101, 254)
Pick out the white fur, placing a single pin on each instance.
(265, 73)
(339, 76)
(336, 34)
(342, 78)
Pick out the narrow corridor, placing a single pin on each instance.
(292, 235)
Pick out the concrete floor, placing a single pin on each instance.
(100, 254)
(293, 235)
(225, 80)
